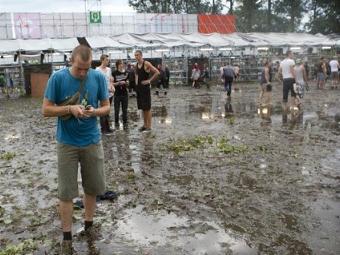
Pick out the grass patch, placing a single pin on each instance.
(26, 247)
(190, 144)
(198, 142)
(224, 146)
(7, 155)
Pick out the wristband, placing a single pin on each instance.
(68, 109)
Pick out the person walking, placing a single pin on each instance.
(160, 81)
(167, 76)
(2, 83)
(227, 76)
(321, 74)
(131, 78)
(266, 87)
(205, 76)
(237, 76)
(78, 136)
(121, 96)
(106, 71)
(195, 75)
(334, 65)
(143, 86)
(300, 81)
(286, 71)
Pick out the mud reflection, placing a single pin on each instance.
(280, 195)
(163, 227)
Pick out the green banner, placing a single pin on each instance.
(95, 17)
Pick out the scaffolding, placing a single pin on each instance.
(67, 25)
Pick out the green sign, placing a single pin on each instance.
(95, 17)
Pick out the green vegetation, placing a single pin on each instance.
(131, 176)
(227, 148)
(7, 155)
(199, 142)
(231, 120)
(257, 16)
(26, 247)
(190, 143)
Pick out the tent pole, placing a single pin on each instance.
(22, 76)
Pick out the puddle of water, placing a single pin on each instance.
(146, 229)
(165, 229)
(324, 238)
(329, 168)
(286, 178)
(11, 137)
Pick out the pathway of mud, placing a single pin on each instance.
(213, 177)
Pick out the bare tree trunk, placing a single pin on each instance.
(250, 8)
(292, 17)
(231, 8)
(269, 16)
(186, 7)
(315, 5)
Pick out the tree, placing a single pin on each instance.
(246, 15)
(292, 11)
(257, 15)
(324, 16)
(269, 15)
(173, 6)
(231, 6)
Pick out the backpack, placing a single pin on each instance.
(228, 73)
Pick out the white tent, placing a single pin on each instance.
(152, 41)
(37, 45)
(101, 42)
(9, 46)
(67, 44)
(289, 39)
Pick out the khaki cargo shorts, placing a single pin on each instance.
(91, 159)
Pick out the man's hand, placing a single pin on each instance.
(89, 111)
(146, 82)
(307, 86)
(77, 111)
(112, 88)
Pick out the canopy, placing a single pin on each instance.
(37, 45)
(170, 40)
(101, 42)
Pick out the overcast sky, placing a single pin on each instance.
(107, 6)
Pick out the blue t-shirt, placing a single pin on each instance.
(61, 85)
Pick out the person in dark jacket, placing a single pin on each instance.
(131, 77)
(161, 80)
(121, 96)
(167, 76)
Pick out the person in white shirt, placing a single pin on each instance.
(106, 71)
(287, 72)
(334, 64)
(195, 75)
(301, 81)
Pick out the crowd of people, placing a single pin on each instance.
(293, 74)
(294, 77)
(79, 94)
(130, 81)
(6, 83)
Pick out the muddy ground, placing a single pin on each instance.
(213, 177)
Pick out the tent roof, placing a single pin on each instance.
(151, 40)
(37, 45)
(100, 42)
